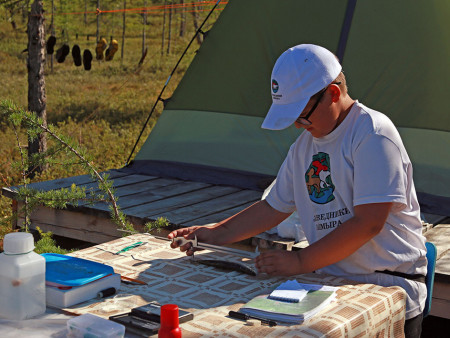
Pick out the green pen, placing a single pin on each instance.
(134, 245)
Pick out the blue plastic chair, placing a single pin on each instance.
(429, 279)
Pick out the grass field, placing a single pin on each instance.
(105, 108)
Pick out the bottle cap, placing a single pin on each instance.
(169, 315)
(16, 243)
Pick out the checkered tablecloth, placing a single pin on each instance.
(360, 310)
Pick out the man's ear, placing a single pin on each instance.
(335, 93)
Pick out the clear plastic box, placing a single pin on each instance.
(89, 325)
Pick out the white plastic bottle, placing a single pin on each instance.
(22, 278)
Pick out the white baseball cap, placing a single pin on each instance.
(299, 73)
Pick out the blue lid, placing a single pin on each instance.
(73, 271)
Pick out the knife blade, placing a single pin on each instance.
(204, 246)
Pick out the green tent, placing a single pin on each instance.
(396, 58)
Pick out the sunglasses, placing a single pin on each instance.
(305, 118)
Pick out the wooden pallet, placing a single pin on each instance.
(142, 198)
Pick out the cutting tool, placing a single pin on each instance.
(197, 245)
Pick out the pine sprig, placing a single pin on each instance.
(59, 198)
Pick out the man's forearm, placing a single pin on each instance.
(253, 220)
(346, 239)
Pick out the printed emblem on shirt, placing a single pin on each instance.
(318, 179)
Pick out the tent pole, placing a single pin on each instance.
(345, 30)
(199, 30)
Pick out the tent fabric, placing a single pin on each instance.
(222, 140)
(231, 71)
(395, 61)
(214, 116)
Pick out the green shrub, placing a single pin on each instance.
(46, 243)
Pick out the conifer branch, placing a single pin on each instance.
(35, 126)
(24, 177)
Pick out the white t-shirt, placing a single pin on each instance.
(362, 161)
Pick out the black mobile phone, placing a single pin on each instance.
(152, 311)
(136, 325)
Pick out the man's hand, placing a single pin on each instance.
(279, 263)
(202, 233)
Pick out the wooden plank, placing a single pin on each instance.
(141, 186)
(163, 206)
(441, 291)
(152, 193)
(80, 234)
(125, 184)
(434, 219)
(9, 192)
(216, 217)
(135, 188)
(62, 182)
(120, 181)
(439, 235)
(77, 224)
(209, 207)
(440, 308)
(77, 180)
(440, 304)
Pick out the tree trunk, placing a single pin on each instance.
(37, 99)
(169, 36)
(98, 23)
(182, 19)
(85, 12)
(195, 17)
(13, 22)
(123, 31)
(25, 6)
(52, 32)
(163, 27)
(144, 26)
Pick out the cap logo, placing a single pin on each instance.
(275, 86)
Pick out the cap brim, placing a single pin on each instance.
(281, 116)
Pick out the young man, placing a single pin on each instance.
(350, 180)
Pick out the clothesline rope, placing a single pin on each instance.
(151, 9)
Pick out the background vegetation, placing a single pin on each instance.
(106, 107)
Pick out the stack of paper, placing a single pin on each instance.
(290, 291)
(292, 302)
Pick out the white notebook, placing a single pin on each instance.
(290, 291)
